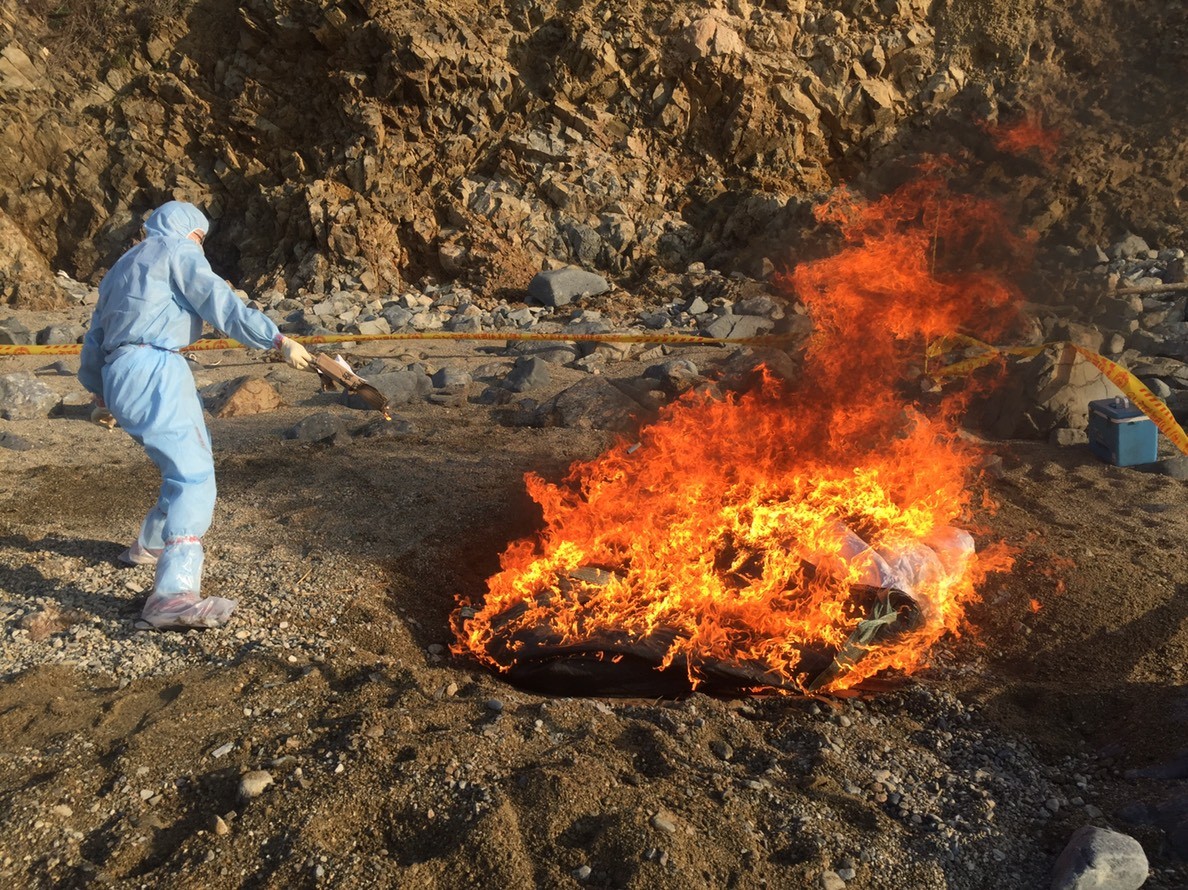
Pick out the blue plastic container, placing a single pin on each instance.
(1121, 434)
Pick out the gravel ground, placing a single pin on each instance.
(327, 738)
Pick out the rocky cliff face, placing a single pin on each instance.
(363, 144)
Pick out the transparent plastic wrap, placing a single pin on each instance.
(944, 552)
(913, 564)
(139, 555)
(857, 560)
(185, 610)
(176, 601)
(179, 568)
(953, 547)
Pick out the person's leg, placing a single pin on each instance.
(155, 401)
(149, 542)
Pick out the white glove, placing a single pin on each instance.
(295, 354)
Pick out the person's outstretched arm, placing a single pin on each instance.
(214, 301)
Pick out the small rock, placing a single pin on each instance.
(221, 828)
(252, 784)
(582, 872)
(530, 372)
(831, 880)
(13, 442)
(665, 822)
(1066, 437)
(14, 333)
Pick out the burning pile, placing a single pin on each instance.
(791, 538)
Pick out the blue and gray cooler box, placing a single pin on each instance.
(1121, 434)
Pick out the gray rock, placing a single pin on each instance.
(677, 374)
(1157, 386)
(323, 427)
(1100, 859)
(737, 327)
(449, 376)
(491, 370)
(759, 305)
(398, 317)
(468, 324)
(377, 366)
(379, 428)
(371, 327)
(24, 397)
(398, 387)
(1066, 437)
(13, 442)
(655, 321)
(1084, 335)
(1051, 390)
(1130, 246)
(559, 287)
(57, 334)
(528, 373)
(1172, 467)
(56, 369)
(665, 822)
(521, 317)
(13, 333)
(594, 403)
(594, 363)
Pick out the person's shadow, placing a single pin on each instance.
(27, 581)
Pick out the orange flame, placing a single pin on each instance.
(1025, 136)
(741, 529)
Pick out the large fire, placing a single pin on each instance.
(801, 536)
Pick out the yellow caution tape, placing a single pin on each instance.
(1134, 389)
(560, 337)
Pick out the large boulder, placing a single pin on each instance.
(1100, 859)
(1042, 393)
(560, 287)
(24, 397)
(592, 404)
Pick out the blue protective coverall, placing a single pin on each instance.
(152, 303)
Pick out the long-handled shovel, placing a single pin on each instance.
(337, 371)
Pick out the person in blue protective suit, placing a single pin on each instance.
(153, 302)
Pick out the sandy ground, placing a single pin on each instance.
(394, 764)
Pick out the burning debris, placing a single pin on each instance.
(793, 538)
